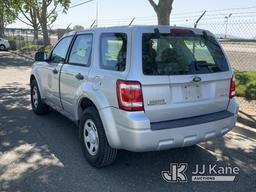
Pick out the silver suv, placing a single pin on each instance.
(138, 88)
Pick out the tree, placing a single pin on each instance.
(78, 28)
(7, 15)
(28, 10)
(47, 16)
(163, 10)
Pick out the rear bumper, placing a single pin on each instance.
(133, 131)
(172, 138)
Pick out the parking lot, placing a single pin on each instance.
(42, 153)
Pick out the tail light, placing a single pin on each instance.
(232, 89)
(129, 95)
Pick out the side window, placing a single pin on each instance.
(113, 51)
(59, 52)
(81, 50)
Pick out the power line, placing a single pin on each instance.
(217, 10)
(77, 1)
(76, 5)
(79, 4)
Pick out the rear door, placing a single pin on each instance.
(185, 74)
(75, 72)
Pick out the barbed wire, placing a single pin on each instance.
(217, 16)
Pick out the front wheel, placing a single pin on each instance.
(38, 106)
(93, 140)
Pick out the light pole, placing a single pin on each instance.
(226, 28)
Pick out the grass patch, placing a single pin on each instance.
(29, 46)
(246, 84)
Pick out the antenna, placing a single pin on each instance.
(131, 21)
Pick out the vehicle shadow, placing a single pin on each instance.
(42, 153)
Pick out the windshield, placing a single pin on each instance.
(166, 54)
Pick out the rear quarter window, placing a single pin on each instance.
(113, 51)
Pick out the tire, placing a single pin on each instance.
(2, 47)
(103, 154)
(38, 106)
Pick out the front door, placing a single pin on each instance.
(50, 73)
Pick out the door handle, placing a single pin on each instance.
(79, 76)
(55, 71)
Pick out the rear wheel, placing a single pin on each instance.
(38, 106)
(93, 140)
(2, 47)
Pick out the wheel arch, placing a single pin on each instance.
(83, 104)
(35, 77)
(86, 102)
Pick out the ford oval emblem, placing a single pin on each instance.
(197, 79)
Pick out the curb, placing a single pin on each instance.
(22, 55)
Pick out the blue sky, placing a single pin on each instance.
(117, 12)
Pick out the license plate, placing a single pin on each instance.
(192, 92)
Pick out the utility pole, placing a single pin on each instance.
(226, 20)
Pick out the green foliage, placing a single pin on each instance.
(40, 13)
(51, 14)
(8, 14)
(13, 45)
(78, 28)
(48, 48)
(246, 84)
(29, 46)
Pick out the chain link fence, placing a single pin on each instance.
(238, 38)
(23, 40)
(234, 28)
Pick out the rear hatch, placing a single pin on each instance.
(185, 74)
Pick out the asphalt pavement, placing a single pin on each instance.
(42, 153)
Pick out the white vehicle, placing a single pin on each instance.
(138, 88)
(4, 44)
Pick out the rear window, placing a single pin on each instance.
(167, 54)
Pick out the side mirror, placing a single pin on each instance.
(41, 56)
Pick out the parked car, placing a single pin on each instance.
(138, 88)
(4, 44)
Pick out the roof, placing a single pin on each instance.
(129, 27)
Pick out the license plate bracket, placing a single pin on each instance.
(192, 92)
